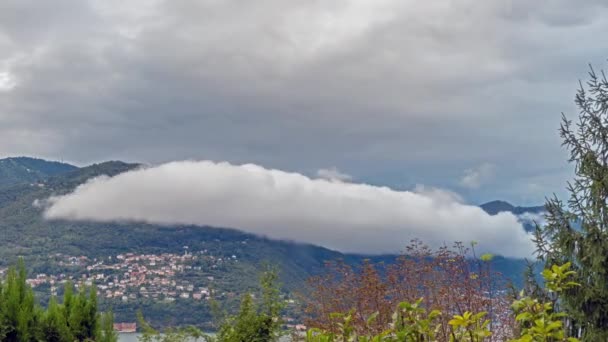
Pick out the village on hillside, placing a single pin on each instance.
(130, 276)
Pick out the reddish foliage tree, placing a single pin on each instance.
(452, 280)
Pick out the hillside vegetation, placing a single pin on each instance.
(23, 232)
(26, 170)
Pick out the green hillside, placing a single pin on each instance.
(47, 247)
(26, 170)
(23, 232)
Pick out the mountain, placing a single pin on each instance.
(23, 232)
(528, 216)
(495, 207)
(26, 170)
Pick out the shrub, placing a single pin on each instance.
(535, 321)
(453, 281)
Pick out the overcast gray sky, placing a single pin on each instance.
(463, 95)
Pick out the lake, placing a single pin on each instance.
(132, 337)
(128, 337)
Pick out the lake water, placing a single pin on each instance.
(132, 337)
(127, 337)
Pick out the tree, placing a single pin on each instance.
(106, 331)
(255, 321)
(449, 280)
(19, 314)
(416, 322)
(577, 232)
(54, 325)
(22, 319)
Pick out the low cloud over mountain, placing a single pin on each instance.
(348, 217)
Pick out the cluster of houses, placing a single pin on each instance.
(131, 276)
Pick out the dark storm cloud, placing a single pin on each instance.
(432, 89)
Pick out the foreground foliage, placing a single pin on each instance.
(534, 321)
(256, 321)
(577, 232)
(76, 319)
(450, 280)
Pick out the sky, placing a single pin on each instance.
(460, 95)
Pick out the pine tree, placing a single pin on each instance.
(19, 314)
(106, 331)
(577, 232)
(23, 320)
(91, 324)
(54, 325)
(82, 317)
(256, 323)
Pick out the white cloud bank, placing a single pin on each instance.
(533, 218)
(333, 174)
(343, 216)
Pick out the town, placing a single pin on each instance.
(129, 276)
(128, 279)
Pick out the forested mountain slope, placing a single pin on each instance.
(26, 170)
(23, 232)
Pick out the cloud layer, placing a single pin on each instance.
(344, 216)
(476, 177)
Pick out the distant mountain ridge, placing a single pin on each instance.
(18, 170)
(528, 216)
(495, 207)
